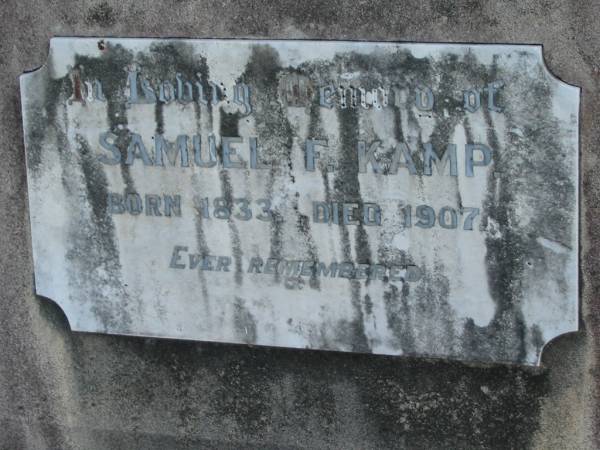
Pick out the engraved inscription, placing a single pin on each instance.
(401, 199)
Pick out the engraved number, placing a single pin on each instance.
(221, 209)
(245, 213)
(473, 212)
(443, 217)
(447, 217)
(266, 214)
(426, 216)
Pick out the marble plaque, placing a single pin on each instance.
(389, 198)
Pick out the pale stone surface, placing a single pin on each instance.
(295, 193)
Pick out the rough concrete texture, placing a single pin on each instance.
(65, 390)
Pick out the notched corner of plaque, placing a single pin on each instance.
(553, 341)
(31, 85)
(53, 309)
(31, 74)
(539, 49)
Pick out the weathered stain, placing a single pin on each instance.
(400, 317)
(101, 14)
(245, 323)
(262, 75)
(109, 68)
(387, 314)
(229, 128)
(94, 248)
(46, 100)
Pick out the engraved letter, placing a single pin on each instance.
(148, 91)
(346, 270)
(212, 151)
(255, 162)
(162, 147)
(424, 98)
(201, 98)
(136, 143)
(365, 157)
(132, 74)
(413, 273)
(166, 92)
(440, 163)
(348, 217)
(115, 203)
(133, 203)
(172, 205)
(116, 159)
(311, 155)
(472, 99)
(491, 89)
(255, 265)
(241, 96)
(470, 163)
(229, 151)
(325, 271)
(320, 212)
(408, 161)
(326, 95)
(153, 205)
(223, 263)
(371, 214)
(181, 95)
(175, 258)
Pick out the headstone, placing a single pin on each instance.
(402, 199)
